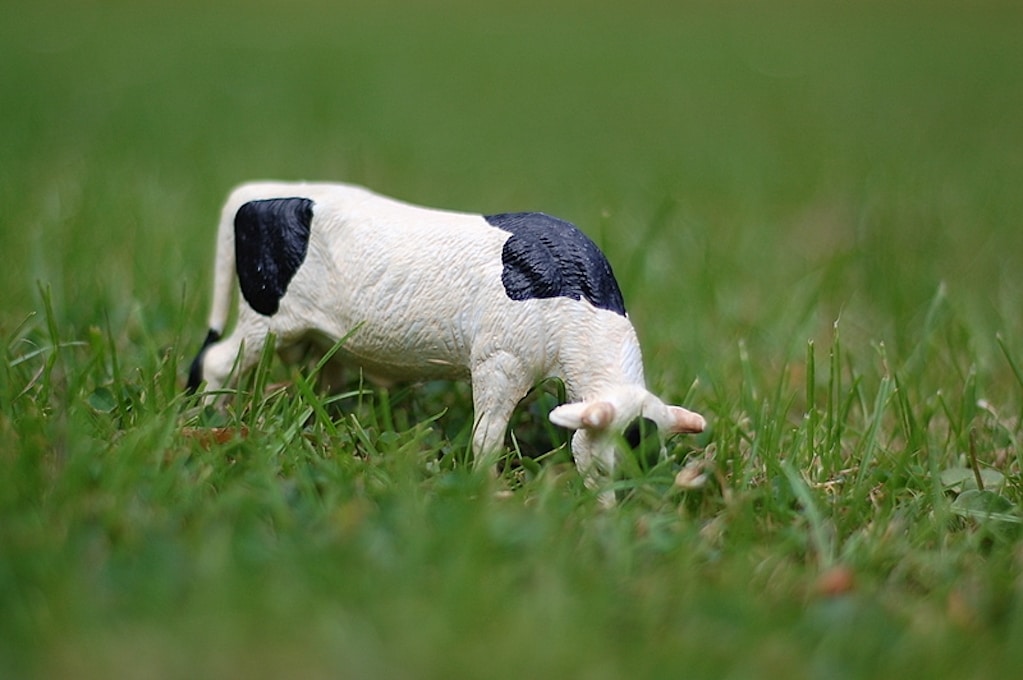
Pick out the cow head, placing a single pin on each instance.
(601, 423)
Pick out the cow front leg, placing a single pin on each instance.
(498, 384)
(594, 457)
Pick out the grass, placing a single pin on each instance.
(813, 210)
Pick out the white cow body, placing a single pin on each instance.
(419, 294)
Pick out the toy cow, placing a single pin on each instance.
(503, 300)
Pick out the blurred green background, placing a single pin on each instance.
(751, 168)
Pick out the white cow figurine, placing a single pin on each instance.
(503, 300)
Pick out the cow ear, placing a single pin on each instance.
(684, 421)
(590, 415)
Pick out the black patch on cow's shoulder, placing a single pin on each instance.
(270, 241)
(546, 257)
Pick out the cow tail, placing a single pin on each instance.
(223, 288)
(223, 275)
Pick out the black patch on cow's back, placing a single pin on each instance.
(546, 257)
(270, 240)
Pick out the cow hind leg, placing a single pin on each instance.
(195, 373)
(221, 360)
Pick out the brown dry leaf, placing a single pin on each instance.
(691, 477)
(837, 580)
(210, 436)
(960, 610)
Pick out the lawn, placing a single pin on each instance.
(815, 215)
